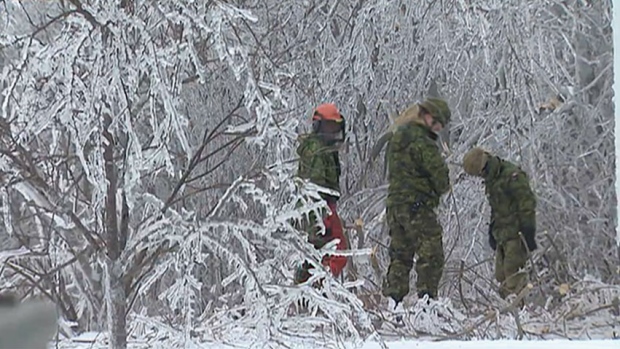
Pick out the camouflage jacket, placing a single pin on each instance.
(318, 162)
(512, 201)
(416, 171)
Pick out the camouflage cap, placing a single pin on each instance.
(438, 108)
(474, 161)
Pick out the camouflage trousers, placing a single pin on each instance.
(510, 257)
(413, 231)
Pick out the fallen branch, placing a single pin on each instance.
(510, 308)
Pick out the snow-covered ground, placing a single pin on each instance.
(558, 344)
(407, 344)
(426, 330)
(499, 344)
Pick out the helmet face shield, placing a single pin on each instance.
(329, 123)
(329, 130)
(329, 126)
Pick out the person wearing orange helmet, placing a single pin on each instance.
(319, 163)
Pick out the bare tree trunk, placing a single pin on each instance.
(116, 305)
(115, 295)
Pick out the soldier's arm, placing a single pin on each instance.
(526, 207)
(525, 198)
(491, 239)
(435, 167)
(314, 168)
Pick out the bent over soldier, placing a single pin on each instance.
(320, 164)
(418, 177)
(512, 227)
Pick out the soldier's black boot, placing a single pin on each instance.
(397, 301)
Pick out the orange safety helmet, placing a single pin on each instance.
(328, 112)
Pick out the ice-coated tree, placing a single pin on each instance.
(122, 125)
(148, 152)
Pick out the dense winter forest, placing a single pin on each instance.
(147, 162)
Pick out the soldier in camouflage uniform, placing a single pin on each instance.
(320, 164)
(512, 226)
(418, 177)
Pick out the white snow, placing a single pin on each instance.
(92, 340)
(498, 344)
(474, 344)
(563, 344)
(86, 337)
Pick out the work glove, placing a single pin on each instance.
(318, 240)
(529, 234)
(492, 241)
(301, 273)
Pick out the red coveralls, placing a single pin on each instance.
(336, 263)
(333, 227)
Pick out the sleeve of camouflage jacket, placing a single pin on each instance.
(525, 199)
(434, 165)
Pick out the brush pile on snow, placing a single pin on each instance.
(588, 310)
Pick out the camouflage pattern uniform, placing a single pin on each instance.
(418, 176)
(320, 164)
(513, 211)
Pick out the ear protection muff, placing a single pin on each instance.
(316, 126)
(343, 128)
